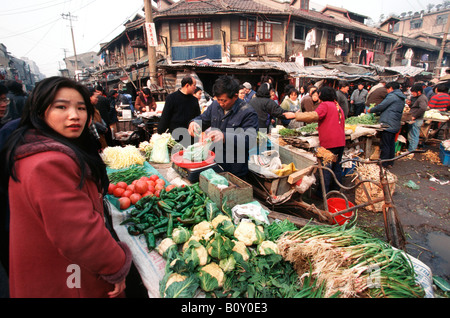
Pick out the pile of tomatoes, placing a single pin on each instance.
(129, 194)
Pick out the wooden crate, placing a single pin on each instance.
(237, 192)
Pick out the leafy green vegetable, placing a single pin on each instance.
(181, 235)
(220, 247)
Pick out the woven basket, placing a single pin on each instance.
(374, 191)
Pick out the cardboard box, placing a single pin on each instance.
(237, 192)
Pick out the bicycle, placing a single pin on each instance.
(393, 228)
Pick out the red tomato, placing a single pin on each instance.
(154, 177)
(151, 183)
(122, 185)
(135, 197)
(127, 193)
(134, 182)
(160, 182)
(170, 187)
(131, 187)
(111, 188)
(125, 203)
(118, 192)
(157, 192)
(147, 194)
(159, 187)
(151, 189)
(141, 187)
(144, 178)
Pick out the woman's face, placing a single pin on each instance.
(315, 96)
(242, 93)
(198, 95)
(67, 115)
(293, 96)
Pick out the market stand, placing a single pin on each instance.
(151, 265)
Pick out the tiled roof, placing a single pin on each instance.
(183, 7)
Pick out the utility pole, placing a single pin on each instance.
(150, 49)
(70, 17)
(444, 44)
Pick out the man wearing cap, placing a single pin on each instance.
(249, 92)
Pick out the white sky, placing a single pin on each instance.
(37, 30)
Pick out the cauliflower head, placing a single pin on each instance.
(241, 248)
(268, 247)
(202, 230)
(249, 233)
(211, 277)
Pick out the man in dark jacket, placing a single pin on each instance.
(342, 97)
(391, 111)
(267, 108)
(419, 104)
(180, 107)
(233, 123)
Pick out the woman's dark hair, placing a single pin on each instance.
(146, 91)
(33, 118)
(293, 90)
(327, 94)
(226, 85)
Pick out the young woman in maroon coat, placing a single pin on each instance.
(59, 244)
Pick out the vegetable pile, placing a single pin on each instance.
(122, 157)
(350, 263)
(363, 119)
(131, 184)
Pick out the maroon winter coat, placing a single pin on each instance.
(55, 225)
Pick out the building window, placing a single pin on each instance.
(300, 32)
(304, 5)
(441, 19)
(380, 46)
(195, 31)
(416, 24)
(252, 30)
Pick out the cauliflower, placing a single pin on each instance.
(220, 246)
(211, 277)
(241, 248)
(195, 253)
(268, 247)
(202, 230)
(180, 235)
(219, 219)
(167, 247)
(175, 277)
(179, 286)
(224, 223)
(249, 233)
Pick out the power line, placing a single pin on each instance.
(29, 8)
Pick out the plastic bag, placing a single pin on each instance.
(215, 178)
(197, 152)
(160, 151)
(411, 184)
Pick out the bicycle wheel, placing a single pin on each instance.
(394, 229)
